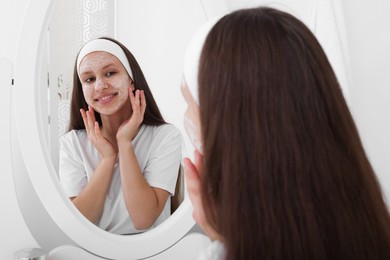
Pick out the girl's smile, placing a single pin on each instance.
(106, 98)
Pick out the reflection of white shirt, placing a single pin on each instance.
(158, 151)
(213, 251)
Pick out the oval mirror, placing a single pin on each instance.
(157, 33)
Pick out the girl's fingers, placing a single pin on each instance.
(131, 97)
(94, 122)
(97, 131)
(89, 120)
(193, 184)
(91, 126)
(143, 101)
(136, 100)
(92, 113)
(85, 120)
(192, 178)
(198, 161)
(190, 169)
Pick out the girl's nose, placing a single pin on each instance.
(100, 84)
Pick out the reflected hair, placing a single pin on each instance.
(152, 115)
(285, 173)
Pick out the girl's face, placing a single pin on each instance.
(192, 119)
(105, 82)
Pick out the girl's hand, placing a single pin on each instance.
(104, 147)
(193, 174)
(128, 129)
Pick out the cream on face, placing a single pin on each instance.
(193, 132)
(105, 82)
(192, 119)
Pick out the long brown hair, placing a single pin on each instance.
(285, 172)
(152, 113)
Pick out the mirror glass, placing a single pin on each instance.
(157, 40)
(165, 27)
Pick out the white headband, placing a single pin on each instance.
(192, 57)
(106, 46)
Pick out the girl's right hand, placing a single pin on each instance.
(104, 147)
(193, 174)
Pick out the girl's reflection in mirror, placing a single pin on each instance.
(120, 160)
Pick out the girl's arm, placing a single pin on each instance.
(90, 201)
(144, 203)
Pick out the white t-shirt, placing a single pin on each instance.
(215, 250)
(158, 150)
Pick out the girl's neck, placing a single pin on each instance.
(111, 123)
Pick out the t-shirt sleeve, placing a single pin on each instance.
(163, 165)
(71, 169)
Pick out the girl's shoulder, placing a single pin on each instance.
(158, 137)
(72, 134)
(162, 131)
(74, 137)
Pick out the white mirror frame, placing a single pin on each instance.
(51, 217)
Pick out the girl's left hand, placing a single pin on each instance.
(129, 128)
(102, 144)
(193, 173)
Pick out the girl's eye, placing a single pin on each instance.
(111, 73)
(89, 80)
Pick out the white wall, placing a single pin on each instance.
(14, 234)
(368, 34)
